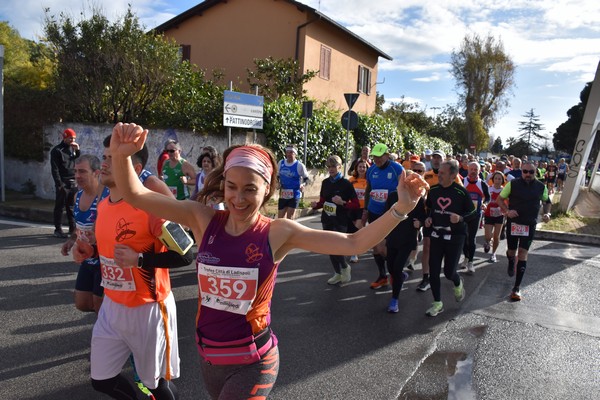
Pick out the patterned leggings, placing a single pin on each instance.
(253, 381)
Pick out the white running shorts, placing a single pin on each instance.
(121, 330)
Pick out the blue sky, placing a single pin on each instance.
(555, 44)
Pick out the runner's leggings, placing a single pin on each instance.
(469, 247)
(252, 381)
(448, 251)
(396, 258)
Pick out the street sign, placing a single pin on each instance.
(350, 120)
(351, 99)
(241, 110)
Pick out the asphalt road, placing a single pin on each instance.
(335, 342)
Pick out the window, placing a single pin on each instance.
(325, 63)
(364, 80)
(185, 51)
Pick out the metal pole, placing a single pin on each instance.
(305, 138)
(2, 181)
(229, 128)
(346, 153)
(254, 130)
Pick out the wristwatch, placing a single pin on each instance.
(140, 260)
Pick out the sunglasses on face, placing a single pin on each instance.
(417, 170)
(171, 151)
(528, 171)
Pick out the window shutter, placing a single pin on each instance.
(325, 63)
(186, 52)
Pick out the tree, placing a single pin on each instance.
(108, 72)
(530, 131)
(180, 103)
(29, 101)
(566, 134)
(497, 146)
(278, 77)
(484, 76)
(516, 146)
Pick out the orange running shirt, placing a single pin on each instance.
(128, 285)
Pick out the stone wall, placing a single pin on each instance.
(90, 139)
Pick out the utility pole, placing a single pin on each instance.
(2, 181)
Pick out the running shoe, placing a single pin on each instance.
(486, 247)
(410, 267)
(459, 291)
(470, 268)
(346, 276)
(515, 295)
(335, 279)
(59, 234)
(493, 258)
(379, 283)
(354, 259)
(436, 308)
(424, 285)
(145, 390)
(464, 263)
(393, 306)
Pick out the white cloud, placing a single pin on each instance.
(431, 78)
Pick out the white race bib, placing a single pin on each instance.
(495, 212)
(115, 277)
(230, 289)
(287, 194)
(360, 193)
(519, 230)
(379, 195)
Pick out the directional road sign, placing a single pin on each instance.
(241, 110)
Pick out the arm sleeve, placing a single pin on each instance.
(486, 192)
(352, 204)
(302, 172)
(468, 204)
(167, 259)
(545, 198)
(505, 193)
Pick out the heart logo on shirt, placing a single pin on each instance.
(443, 202)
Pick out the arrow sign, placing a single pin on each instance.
(242, 110)
(351, 99)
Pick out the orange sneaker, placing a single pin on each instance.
(379, 283)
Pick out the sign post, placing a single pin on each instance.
(307, 109)
(2, 183)
(349, 121)
(242, 110)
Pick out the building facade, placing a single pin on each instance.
(227, 35)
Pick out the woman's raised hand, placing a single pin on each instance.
(127, 139)
(410, 189)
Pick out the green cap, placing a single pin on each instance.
(379, 150)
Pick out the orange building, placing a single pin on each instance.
(229, 34)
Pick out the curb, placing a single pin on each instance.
(28, 214)
(568, 237)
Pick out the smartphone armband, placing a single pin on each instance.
(175, 237)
